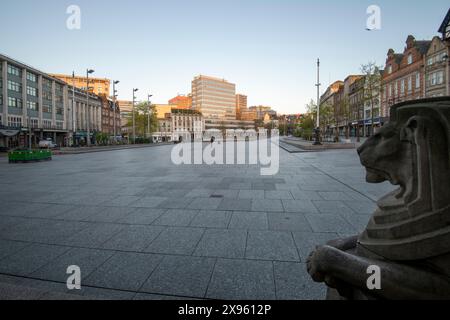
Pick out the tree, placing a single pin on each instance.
(372, 92)
(326, 113)
(141, 117)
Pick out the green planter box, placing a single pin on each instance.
(29, 156)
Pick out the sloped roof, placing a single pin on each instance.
(423, 46)
(445, 22)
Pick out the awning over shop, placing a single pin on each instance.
(9, 133)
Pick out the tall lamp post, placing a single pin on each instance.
(88, 131)
(115, 108)
(134, 117)
(148, 115)
(74, 112)
(317, 130)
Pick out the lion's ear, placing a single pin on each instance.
(409, 131)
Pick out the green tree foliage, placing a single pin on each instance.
(141, 114)
(373, 89)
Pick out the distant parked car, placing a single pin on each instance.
(47, 144)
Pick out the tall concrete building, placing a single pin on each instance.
(241, 104)
(29, 97)
(215, 98)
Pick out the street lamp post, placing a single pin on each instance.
(134, 120)
(148, 115)
(115, 108)
(74, 120)
(88, 132)
(317, 130)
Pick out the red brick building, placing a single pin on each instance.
(404, 75)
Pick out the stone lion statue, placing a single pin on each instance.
(408, 236)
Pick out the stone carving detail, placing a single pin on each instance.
(408, 236)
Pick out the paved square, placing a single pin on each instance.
(140, 227)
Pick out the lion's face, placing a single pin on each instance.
(385, 157)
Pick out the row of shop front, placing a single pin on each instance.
(361, 128)
(13, 137)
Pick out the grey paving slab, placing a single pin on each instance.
(322, 187)
(222, 243)
(133, 238)
(329, 223)
(80, 213)
(294, 283)
(11, 247)
(267, 205)
(122, 201)
(51, 211)
(181, 276)
(205, 203)
(176, 203)
(362, 207)
(87, 259)
(358, 221)
(176, 218)
(305, 195)
(176, 240)
(335, 195)
(249, 220)
(43, 231)
(148, 202)
(278, 194)
(142, 216)
(251, 194)
(94, 235)
(199, 193)
(288, 222)
(271, 245)
(235, 205)
(329, 206)
(29, 259)
(110, 214)
(302, 206)
(212, 219)
(242, 280)
(124, 270)
(225, 193)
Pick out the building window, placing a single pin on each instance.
(15, 122)
(14, 102)
(31, 77)
(31, 105)
(12, 70)
(46, 108)
(417, 80)
(410, 84)
(32, 91)
(60, 110)
(402, 86)
(430, 61)
(47, 124)
(14, 86)
(390, 69)
(410, 59)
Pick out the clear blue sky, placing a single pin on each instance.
(267, 47)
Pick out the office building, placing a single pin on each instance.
(215, 98)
